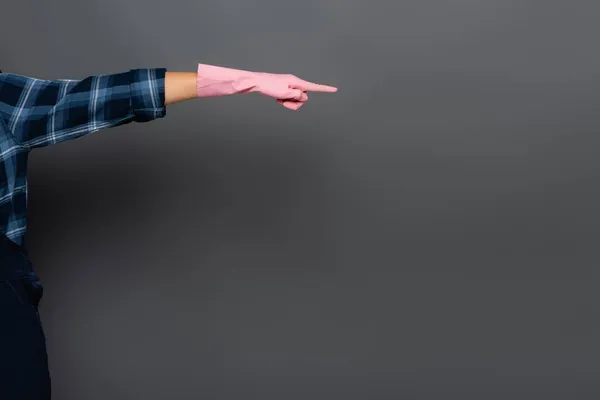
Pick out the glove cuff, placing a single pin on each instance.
(213, 81)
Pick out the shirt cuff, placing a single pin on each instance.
(147, 86)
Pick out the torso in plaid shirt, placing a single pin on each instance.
(35, 113)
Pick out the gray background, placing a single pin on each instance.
(428, 232)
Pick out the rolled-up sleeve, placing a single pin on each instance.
(42, 112)
(147, 87)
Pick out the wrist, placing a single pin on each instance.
(214, 81)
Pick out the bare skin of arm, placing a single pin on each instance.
(180, 86)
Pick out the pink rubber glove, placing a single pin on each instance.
(289, 90)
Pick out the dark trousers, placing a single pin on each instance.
(24, 373)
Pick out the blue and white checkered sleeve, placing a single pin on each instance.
(42, 112)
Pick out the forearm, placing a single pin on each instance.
(180, 86)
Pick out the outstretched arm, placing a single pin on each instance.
(41, 112)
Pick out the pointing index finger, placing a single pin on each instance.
(314, 87)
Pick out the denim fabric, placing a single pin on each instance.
(24, 373)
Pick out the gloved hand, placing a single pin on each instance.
(289, 90)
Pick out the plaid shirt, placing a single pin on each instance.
(35, 113)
